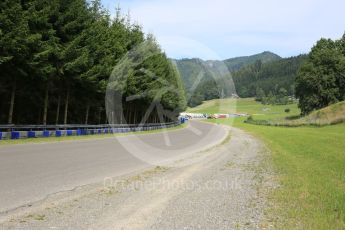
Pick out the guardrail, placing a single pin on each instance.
(32, 131)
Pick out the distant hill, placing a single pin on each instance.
(237, 63)
(213, 69)
(204, 80)
(270, 76)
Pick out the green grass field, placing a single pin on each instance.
(246, 105)
(310, 165)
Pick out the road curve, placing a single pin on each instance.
(30, 172)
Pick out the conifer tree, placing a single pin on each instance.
(13, 48)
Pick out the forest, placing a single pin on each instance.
(269, 77)
(56, 58)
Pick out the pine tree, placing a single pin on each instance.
(44, 46)
(73, 19)
(13, 47)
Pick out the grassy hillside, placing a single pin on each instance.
(310, 166)
(332, 114)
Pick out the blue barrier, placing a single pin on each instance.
(31, 134)
(58, 133)
(81, 132)
(60, 130)
(78, 132)
(46, 133)
(15, 135)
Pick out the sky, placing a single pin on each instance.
(220, 29)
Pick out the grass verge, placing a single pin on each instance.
(309, 160)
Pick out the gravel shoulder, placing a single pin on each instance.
(224, 187)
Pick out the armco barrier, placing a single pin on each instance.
(31, 131)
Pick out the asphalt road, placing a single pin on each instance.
(30, 172)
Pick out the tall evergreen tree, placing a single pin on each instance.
(13, 47)
(72, 21)
(44, 46)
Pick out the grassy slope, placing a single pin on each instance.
(310, 162)
(330, 115)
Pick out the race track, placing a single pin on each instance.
(31, 172)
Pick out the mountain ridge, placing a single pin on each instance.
(230, 58)
(189, 68)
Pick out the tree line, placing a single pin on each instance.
(56, 57)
